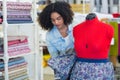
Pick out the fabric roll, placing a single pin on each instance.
(114, 48)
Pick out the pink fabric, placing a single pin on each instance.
(19, 7)
(19, 3)
(17, 42)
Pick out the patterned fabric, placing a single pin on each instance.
(92, 71)
(19, 3)
(62, 65)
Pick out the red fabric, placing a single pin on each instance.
(92, 39)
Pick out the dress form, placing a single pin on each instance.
(90, 16)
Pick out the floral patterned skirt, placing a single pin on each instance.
(82, 70)
(95, 70)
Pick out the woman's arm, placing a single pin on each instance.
(51, 48)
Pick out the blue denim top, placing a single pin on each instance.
(58, 45)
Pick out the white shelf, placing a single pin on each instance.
(30, 30)
(114, 19)
(22, 24)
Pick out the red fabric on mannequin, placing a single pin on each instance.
(92, 39)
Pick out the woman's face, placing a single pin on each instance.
(57, 20)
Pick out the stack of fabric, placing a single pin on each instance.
(17, 45)
(17, 69)
(18, 12)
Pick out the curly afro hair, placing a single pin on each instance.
(62, 8)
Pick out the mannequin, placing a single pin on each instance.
(90, 16)
(92, 43)
(92, 34)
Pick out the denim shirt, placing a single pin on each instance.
(56, 44)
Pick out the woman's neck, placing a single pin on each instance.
(63, 31)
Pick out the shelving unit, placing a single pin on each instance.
(29, 29)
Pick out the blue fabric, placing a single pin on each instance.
(19, 22)
(13, 62)
(57, 45)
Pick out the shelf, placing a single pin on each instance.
(114, 19)
(22, 24)
(27, 28)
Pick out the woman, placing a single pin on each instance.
(56, 18)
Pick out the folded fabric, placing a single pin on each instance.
(19, 19)
(18, 12)
(13, 7)
(13, 63)
(18, 16)
(19, 22)
(21, 64)
(12, 60)
(19, 3)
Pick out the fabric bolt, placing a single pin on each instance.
(13, 76)
(17, 42)
(92, 71)
(114, 48)
(19, 3)
(18, 16)
(12, 60)
(19, 48)
(22, 77)
(16, 69)
(13, 63)
(10, 7)
(18, 72)
(18, 65)
(13, 66)
(18, 45)
(19, 19)
(14, 53)
(18, 12)
(19, 22)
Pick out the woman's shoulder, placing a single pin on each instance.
(53, 33)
